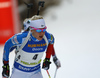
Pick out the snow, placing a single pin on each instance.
(76, 28)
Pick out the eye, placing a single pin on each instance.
(38, 30)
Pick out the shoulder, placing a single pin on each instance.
(17, 38)
(50, 37)
(22, 34)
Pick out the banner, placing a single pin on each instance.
(9, 19)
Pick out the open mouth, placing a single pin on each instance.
(40, 36)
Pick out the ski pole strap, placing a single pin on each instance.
(26, 40)
(48, 73)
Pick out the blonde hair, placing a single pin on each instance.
(36, 17)
(26, 19)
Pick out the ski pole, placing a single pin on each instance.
(48, 73)
(41, 4)
(29, 6)
(55, 73)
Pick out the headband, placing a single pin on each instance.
(37, 23)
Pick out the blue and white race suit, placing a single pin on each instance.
(29, 50)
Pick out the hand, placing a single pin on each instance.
(56, 61)
(46, 64)
(6, 71)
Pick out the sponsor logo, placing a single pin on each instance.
(35, 63)
(36, 45)
(42, 25)
(35, 68)
(23, 68)
(37, 49)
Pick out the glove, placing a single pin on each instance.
(56, 61)
(6, 71)
(46, 64)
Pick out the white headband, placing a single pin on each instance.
(40, 23)
(37, 23)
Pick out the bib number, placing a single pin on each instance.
(35, 56)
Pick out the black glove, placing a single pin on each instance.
(6, 71)
(46, 64)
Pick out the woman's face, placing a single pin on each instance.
(38, 35)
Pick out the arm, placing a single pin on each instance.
(55, 59)
(9, 46)
(47, 62)
(6, 52)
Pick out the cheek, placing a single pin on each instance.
(43, 33)
(32, 31)
(37, 34)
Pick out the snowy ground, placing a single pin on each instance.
(76, 27)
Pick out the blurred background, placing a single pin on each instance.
(75, 25)
(15, 11)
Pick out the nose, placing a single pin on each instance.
(42, 32)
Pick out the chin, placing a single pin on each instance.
(40, 39)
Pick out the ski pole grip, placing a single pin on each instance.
(41, 3)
